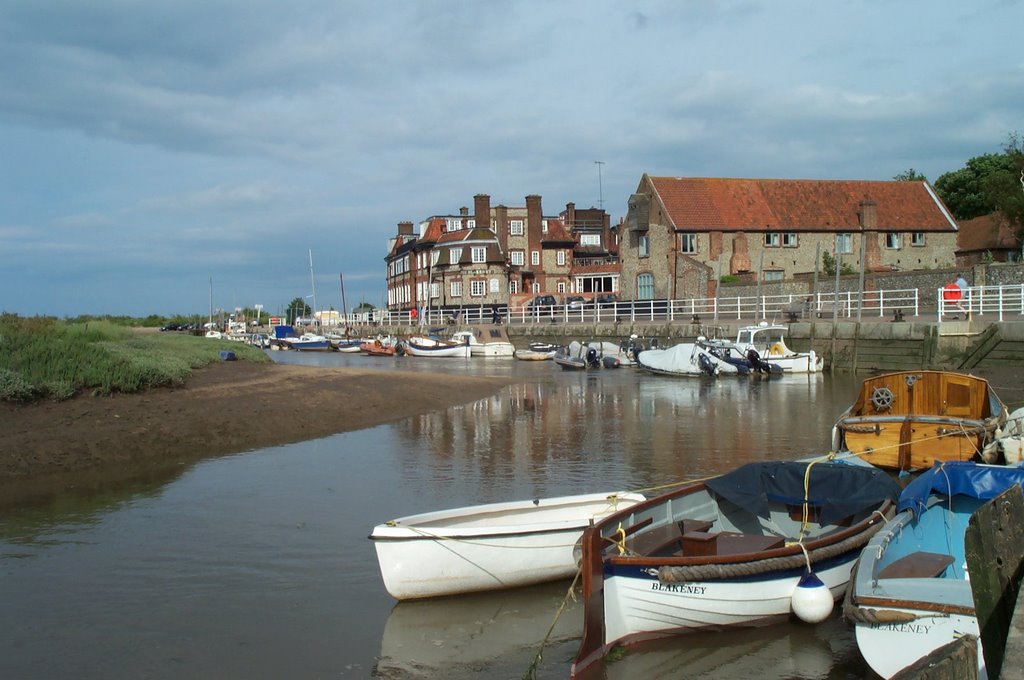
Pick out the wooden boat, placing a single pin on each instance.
(487, 547)
(910, 592)
(488, 341)
(729, 551)
(378, 347)
(909, 419)
(435, 347)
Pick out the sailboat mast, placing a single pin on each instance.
(344, 307)
(312, 281)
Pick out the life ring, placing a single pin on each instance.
(776, 350)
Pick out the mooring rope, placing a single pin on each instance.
(531, 670)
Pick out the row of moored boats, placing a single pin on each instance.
(761, 543)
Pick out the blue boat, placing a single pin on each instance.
(911, 591)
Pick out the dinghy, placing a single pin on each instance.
(487, 547)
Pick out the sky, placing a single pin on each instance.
(169, 157)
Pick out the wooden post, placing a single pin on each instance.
(994, 545)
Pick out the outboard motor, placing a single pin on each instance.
(592, 359)
(756, 363)
(705, 364)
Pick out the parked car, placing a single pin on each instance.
(575, 302)
(542, 303)
(606, 299)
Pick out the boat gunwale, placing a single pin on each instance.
(919, 605)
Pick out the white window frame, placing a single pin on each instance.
(435, 290)
(790, 240)
(772, 240)
(517, 257)
(513, 287)
(479, 254)
(536, 287)
(535, 258)
(435, 257)
(543, 226)
(590, 239)
(455, 289)
(645, 290)
(688, 243)
(561, 286)
(515, 228)
(844, 243)
(774, 275)
(893, 240)
(560, 258)
(471, 224)
(917, 239)
(643, 245)
(454, 255)
(477, 287)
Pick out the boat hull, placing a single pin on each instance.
(489, 547)
(416, 350)
(890, 647)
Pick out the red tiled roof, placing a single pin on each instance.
(557, 232)
(477, 234)
(722, 204)
(433, 230)
(988, 232)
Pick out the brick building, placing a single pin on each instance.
(681, 235)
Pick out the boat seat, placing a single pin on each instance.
(917, 565)
(705, 544)
(665, 540)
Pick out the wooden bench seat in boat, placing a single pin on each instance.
(665, 540)
(704, 544)
(917, 565)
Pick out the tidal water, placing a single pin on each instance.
(257, 565)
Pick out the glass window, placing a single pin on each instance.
(543, 226)
(513, 287)
(434, 257)
(789, 240)
(493, 285)
(771, 240)
(435, 290)
(479, 254)
(476, 287)
(893, 241)
(456, 289)
(645, 287)
(590, 239)
(515, 227)
(517, 257)
(560, 258)
(773, 275)
(454, 255)
(561, 286)
(535, 258)
(917, 238)
(643, 246)
(688, 243)
(844, 243)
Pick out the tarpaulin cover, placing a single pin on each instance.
(838, 489)
(959, 478)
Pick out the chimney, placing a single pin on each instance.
(482, 210)
(405, 229)
(534, 216)
(501, 226)
(868, 215)
(464, 211)
(570, 216)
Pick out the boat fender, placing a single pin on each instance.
(811, 600)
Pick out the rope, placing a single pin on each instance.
(531, 670)
(857, 614)
(703, 572)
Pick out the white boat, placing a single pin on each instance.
(769, 344)
(686, 359)
(309, 342)
(910, 593)
(488, 341)
(735, 550)
(534, 355)
(488, 547)
(434, 347)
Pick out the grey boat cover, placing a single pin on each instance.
(838, 489)
(675, 359)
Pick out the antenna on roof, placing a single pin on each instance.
(600, 187)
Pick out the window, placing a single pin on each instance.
(477, 287)
(844, 243)
(645, 287)
(435, 290)
(688, 243)
(772, 240)
(493, 285)
(560, 258)
(513, 287)
(535, 258)
(517, 257)
(515, 228)
(479, 254)
(434, 257)
(590, 239)
(893, 241)
(454, 255)
(536, 287)
(456, 289)
(470, 224)
(773, 275)
(917, 239)
(543, 226)
(561, 286)
(643, 246)
(789, 240)
(452, 224)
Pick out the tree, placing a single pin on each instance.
(910, 175)
(976, 189)
(828, 265)
(297, 308)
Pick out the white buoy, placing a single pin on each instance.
(811, 600)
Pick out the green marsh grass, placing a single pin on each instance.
(44, 358)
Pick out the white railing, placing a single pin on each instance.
(978, 300)
(881, 303)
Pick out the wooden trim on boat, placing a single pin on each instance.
(888, 603)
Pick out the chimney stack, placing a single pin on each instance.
(482, 210)
(405, 229)
(868, 215)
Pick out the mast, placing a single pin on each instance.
(344, 307)
(211, 300)
(312, 281)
